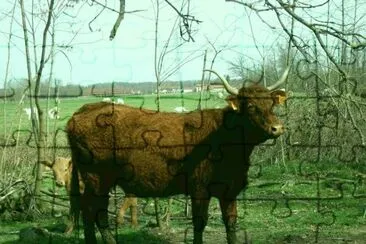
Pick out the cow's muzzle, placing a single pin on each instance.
(60, 183)
(277, 130)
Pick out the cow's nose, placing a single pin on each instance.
(60, 183)
(277, 130)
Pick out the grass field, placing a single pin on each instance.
(281, 206)
(297, 201)
(15, 117)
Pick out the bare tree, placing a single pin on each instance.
(163, 70)
(38, 128)
(331, 61)
(36, 61)
(7, 73)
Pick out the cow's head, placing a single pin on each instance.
(60, 168)
(255, 104)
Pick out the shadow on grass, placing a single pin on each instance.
(54, 234)
(141, 236)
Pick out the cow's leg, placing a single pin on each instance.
(229, 215)
(199, 218)
(94, 210)
(122, 211)
(102, 218)
(89, 215)
(71, 223)
(73, 220)
(133, 208)
(131, 203)
(73, 187)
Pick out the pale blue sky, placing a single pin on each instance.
(130, 56)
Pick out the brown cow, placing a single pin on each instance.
(61, 168)
(202, 154)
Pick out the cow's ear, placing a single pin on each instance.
(69, 164)
(279, 97)
(47, 163)
(234, 105)
(233, 102)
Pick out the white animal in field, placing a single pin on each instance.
(180, 109)
(28, 111)
(53, 113)
(107, 99)
(120, 101)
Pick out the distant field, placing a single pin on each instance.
(13, 117)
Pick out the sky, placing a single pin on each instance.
(93, 58)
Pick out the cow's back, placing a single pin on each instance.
(141, 149)
(153, 154)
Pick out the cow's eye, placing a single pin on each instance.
(251, 107)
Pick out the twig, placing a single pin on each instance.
(120, 17)
(113, 10)
(187, 20)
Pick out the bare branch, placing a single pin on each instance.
(354, 123)
(95, 17)
(199, 107)
(187, 20)
(120, 17)
(293, 38)
(250, 5)
(118, 12)
(7, 71)
(317, 30)
(302, 5)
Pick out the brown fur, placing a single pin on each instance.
(202, 154)
(61, 168)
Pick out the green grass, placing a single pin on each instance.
(281, 206)
(327, 205)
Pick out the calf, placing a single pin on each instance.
(61, 168)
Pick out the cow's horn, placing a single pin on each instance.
(229, 89)
(280, 81)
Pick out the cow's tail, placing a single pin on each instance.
(75, 197)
